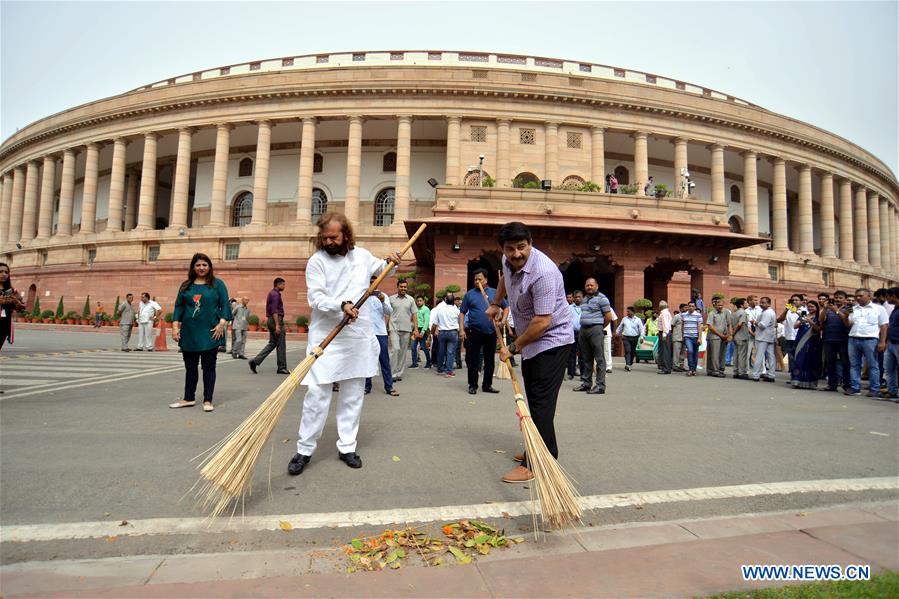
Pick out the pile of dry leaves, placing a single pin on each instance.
(462, 540)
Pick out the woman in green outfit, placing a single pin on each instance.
(198, 325)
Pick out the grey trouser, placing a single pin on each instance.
(399, 350)
(717, 348)
(590, 342)
(275, 342)
(741, 350)
(763, 350)
(678, 353)
(125, 331)
(239, 342)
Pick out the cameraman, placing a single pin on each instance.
(792, 312)
(836, 341)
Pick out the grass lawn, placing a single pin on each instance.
(885, 584)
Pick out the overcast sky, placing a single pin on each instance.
(833, 64)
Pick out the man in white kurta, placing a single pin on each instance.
(333, 283)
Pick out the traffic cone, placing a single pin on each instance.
(160, 344)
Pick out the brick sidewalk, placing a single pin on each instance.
(679, 558)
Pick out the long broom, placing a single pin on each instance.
(556, 494)
(225, 476)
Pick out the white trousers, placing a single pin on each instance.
(607, 349)
(315, 413)
(145, 337)
(763, 350)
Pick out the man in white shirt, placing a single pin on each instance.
(765, 335)
(445, 328)
(790, 315)
(630, 329)
(147, 316)
(867, 335)
(377, 309)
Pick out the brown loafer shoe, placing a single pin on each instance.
(518, 457)
(518, 474)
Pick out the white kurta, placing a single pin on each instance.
(330, 281)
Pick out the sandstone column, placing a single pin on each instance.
(260, 172)
(131, 201)
(66, 194)
(779, 227)
(641, 161)
(181, 184)
(806, 237)
(681, 166)
(17, 204)
(874, 230)
(116, 185)
(453, 150)
(827, 217)
(29, 210)
(89, 195)
(353, 170)
(861, 225)
(718, 196)
(885, 239)
(551, 154)
(307, 164)
(894, 240)
(403, 167)
(5, 206)
(847, 249)
(220, 175)
(48, 189)
(598, 157)
(146, 212)
(503, 135)
(750, 193)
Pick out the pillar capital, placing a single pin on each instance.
(454, 118)
(551, 124)
(224, 126)
(640, 134)
(504, 121)
(151, 135)
(356, 118)
(189, 130)
(598, 128)
(404, 118)
(777, 161)
(749, 154)
(267, 123)
(679, 140)
(715, 147)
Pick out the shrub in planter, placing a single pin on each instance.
(168, 317)
(253, 322)
(303, 323)
(47, 316)
(628, 189)
(60, 310)
(71, 317)
(86, 312)
(36, 311)
(662, 191)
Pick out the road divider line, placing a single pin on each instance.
(53, 387)
(174, 526)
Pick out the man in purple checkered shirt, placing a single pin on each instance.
(536, 292)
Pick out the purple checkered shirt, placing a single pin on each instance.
(538, 289)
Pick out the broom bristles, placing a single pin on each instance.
(226, 475)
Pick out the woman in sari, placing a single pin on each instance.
(807, 364)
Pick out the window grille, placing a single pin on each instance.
(527, 137)
(384, 202)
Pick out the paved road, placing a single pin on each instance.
(112, 450)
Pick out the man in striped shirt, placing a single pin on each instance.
(692, 319)
(542, 317)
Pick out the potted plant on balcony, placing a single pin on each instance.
(628, 189)
(47, 316)
(662, 191)
(303, 323)
(71, 317)
(253, 322)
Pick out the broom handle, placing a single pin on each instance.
(502, 341)
(346, 318)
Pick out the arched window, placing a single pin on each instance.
(389, 162)
(572, 182)
(242, 210)
(736, 226)
(734, 194)
(526, 180)
(318, 162)
(473, 179)
(319, 203)
(384, 207)
(245, 168)
(623, 176)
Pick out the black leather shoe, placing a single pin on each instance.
(472, 390)
(491, 390)
(252, 366)
(285, 371)
(351, 459)
(582, 388)
(596, 391)
(297, 463)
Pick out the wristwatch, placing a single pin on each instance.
(513, 349)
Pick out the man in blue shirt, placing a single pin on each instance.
(596, 313)
(478, 333)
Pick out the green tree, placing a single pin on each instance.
(642, 305)
(86, 313)
(36, 311)
(60, 310)
(115, 311)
